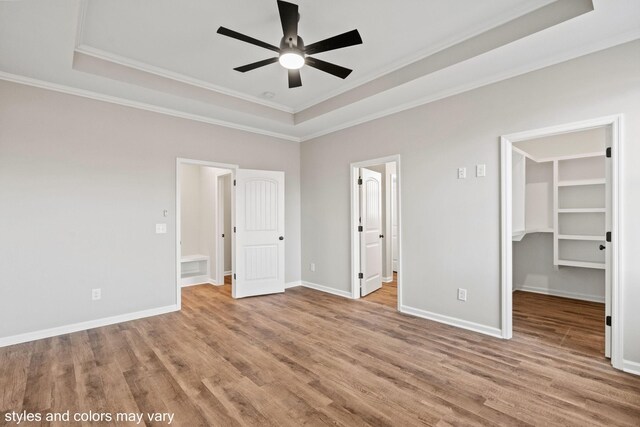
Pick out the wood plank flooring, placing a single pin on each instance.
(387, 295)
(310, 358)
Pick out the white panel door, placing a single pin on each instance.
(394, 222)
(371, 235)
(259, 260)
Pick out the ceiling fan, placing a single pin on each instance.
(292, 53)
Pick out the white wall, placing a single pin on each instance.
(82, 185)
(451, 227)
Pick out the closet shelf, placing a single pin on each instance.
(582, 210)
(580, 237)
(194, 258)
(581, 182)
(583, 264)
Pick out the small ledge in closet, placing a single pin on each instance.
(582, 210)
(582, 264)
(519, 235)
(580, 237)
(580, 182)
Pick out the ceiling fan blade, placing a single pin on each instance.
(289, 20)
(350, 38)
(294, 79)
(255, 65)
(235, 35)
(328, 67)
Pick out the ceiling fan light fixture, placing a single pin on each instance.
(291, 60)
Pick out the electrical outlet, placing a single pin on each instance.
(462, 294)
(96, 294)
(312, 266)
(462, 173)
(481, 171)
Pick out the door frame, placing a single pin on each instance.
(355, 214)
(178, 250)
(506, 142)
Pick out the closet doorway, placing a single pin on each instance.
(375, 217)
(559, 237)
(205, 201)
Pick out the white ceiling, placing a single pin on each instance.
(173, 48)
(566, 144)
(180, 37)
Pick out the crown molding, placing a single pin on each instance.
(566, 56)
(28, 81)
(422, 54)
(161, 72)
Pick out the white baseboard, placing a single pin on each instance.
(464, 324)
(556, 293)
(292, 284)
(197, 280)
(344, 294)
(83, 326)
(387, 279)
(631, 367)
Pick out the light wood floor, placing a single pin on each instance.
(387, 295)
(310, 358)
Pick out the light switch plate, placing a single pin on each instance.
(161, 228)
(462, 173)
(481, 170)
(462, 294)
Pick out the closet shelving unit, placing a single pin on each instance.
(579, 211)
(566, 197)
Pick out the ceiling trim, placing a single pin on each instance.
(403, 62)
(521, 27)
(82, 47)
(28, 81)
(566, 56)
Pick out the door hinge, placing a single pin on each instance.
(234, 229)
(607, 320)
(360, 228)
(234, 276)
(360, 181)
(608, 151)
(234, 182)
(608, 237)
(360, 276)
(223, 236)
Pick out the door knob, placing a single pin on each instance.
(281, 238)
(602, 247)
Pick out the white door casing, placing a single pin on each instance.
(259, 260)
(370, 237)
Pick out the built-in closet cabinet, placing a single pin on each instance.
(580, 214)
(564, 196)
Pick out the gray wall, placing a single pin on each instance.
(451, 227)
(533, 270)
(82, 185)
(227, 222)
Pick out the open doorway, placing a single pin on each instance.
(204, 221)
(376, 258)
(560, 256)
(255, 203)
